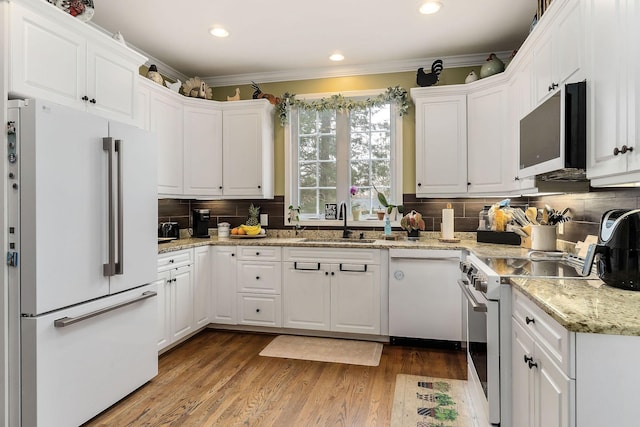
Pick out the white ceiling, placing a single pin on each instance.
(297, 36)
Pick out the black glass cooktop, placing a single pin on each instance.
(536, 267)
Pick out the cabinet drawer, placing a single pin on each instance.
(260, 253)
(259, 310)
(259, 277)
(557, 341)
(174, 260)
(332, 255)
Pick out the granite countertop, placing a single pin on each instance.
(580, 305)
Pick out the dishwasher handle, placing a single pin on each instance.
(472, 299)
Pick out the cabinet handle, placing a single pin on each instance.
(532, 364)
(257, 277)
(529, 320)
(220, 187)
(419, 184)
(622, 150)
(233, 254)
(517, 178)
(92, 100)
(468, 184)
(333, 273)
(295, 267)
(85, 98)
(257, 310)
(364, 269)
(259, 186)
(326, 273)
(257, 253)
(528, 359)
(553, 86)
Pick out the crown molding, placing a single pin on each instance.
(315, 73)
(349, 70)
(164, 69)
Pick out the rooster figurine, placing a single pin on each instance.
(429, 79)
(154, 75)
(258, 94)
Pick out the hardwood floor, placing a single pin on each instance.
(217, 378)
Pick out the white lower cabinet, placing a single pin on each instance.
(223, 285)
(331, 290)
(258, 284)
(202, 279)
(175, 297)
(543, 379)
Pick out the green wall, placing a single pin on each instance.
(406, 80)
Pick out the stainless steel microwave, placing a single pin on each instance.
(553, 136)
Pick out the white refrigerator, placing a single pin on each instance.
(82, 256)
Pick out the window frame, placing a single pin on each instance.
(342, 194)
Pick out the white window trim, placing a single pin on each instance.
(396, 159)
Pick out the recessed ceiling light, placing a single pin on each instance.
(430, 7)
(218, 32)
(337, 57)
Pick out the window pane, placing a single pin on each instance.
(308, 205)
(326, 122)
(306, 122)
(381, 118)
(308, 175)
(328, 174)
(360, 120)
(327, 147)
(307, 148)
(380, 145)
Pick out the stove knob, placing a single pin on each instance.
(482, 286)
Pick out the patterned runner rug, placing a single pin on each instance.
(324, 350)
(431, 402)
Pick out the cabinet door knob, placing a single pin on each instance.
(257, 253)
(553, 86)
(257, 310)
(333, 273)
(233, 254)
(532, 365)
(528, 359)
(326, 273)
(220, 187)
(419, 184)
(529, 320)
(257, 277)
(517, 178)
(259, 186)
(622, 150)
(85, 98)
(92, 100)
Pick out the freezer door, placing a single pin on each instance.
(73, 371)
(62, 208)
(135, 208)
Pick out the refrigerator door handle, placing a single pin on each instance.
(109, 268)
(119, 266)
(66, 321)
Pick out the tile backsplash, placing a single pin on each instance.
(586, 210)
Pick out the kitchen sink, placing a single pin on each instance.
(338, 240)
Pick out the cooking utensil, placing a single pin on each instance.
(532, 215)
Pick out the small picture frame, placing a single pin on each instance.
(330, 211)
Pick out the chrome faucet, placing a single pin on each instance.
(343, 211)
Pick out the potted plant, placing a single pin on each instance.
(388, 206)
(412, 223)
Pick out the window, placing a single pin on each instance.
(330, 151)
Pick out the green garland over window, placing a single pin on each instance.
(396, 95)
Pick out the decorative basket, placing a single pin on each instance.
(81, 9)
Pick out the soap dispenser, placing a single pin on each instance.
(387, 225)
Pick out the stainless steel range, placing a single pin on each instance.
(485, 284)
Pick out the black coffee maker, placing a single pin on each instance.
(618, 249)
(201, 222)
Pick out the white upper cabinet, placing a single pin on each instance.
(558, 54)
(441, 141)
(202, 149)
(487, 154)
(54, 56)
(166, 121)
(613, 108)
(247, 149)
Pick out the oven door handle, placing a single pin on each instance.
(472, 299)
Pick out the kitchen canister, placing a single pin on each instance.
(223, 229)
(543, 237)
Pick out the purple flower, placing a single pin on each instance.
(353, 190)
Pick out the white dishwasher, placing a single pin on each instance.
(425, 301)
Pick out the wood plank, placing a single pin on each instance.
(218, 378)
